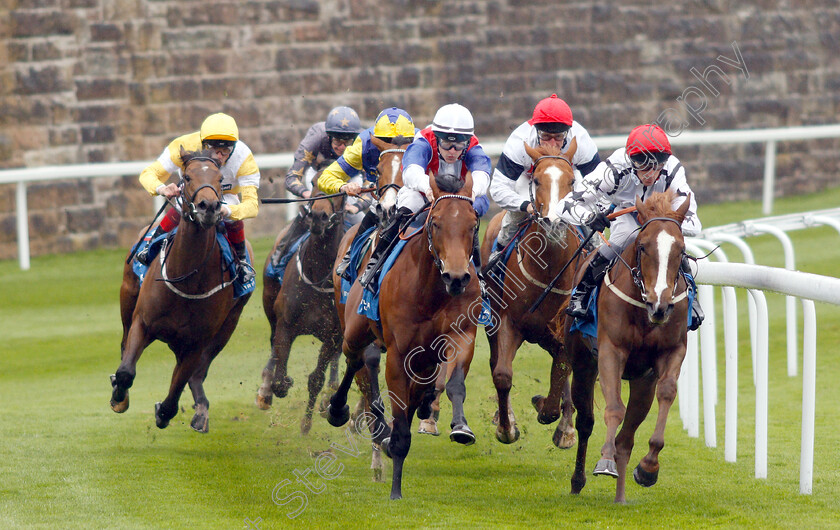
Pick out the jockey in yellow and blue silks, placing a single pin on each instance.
(240, 177)
(448, 149)
(394, 126)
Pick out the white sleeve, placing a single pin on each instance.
(415, 178)
(480, 182)
(503, 192)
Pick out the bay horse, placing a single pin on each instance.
(304, 305)
(389, 181)
(425, 305)
(186, 299)
(642, 326)
(547, 245)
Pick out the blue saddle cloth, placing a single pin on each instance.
(588, 325)
(239, 289)
(356, 251)
(280, 270)
(369, 305)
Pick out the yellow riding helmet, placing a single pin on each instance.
(219, 127)
(393, 122)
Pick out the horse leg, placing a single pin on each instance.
(201, 419)
(316, 383)
(398, 444)
(136, 341)
(280, 349)
(186, 365)
(264, 393)
(647, 472)
(609, 370)
(638, 405)
(548, 407)
(337, 411)
(503, 346)
(428, 425)
(456, 391)
(333, 380)
(583, 390)
(564, 434)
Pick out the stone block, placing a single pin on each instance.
(84, 219)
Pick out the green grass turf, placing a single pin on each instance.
(67, 461)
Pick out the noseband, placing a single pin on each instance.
(536, 215)
(188, 207)
(438, 261)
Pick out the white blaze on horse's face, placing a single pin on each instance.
(389, 199)
(555, 175)
(664, 244)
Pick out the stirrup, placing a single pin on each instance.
(576, 307)
(143, 255)
(245, 272)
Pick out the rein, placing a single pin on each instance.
(169, 283)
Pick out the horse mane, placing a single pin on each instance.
(401, 140)
(660, 204)
(549, 150)
(186, 156)
(449, 183)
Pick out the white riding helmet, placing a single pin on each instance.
(454, 122)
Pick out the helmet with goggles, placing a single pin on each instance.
(219, 131)
(393, 122)
(343, 123)
(647, 146)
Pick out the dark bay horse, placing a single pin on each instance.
(642, 326)
(186, 299)
(304, 305)
(546, 246)
(426, 304)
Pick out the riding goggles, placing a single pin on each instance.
(646, 161)
(343, 138)
(446, 145)
(547, 136)
(224, 147)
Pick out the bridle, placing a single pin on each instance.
(386, 187)
(438, 261)
(532, 197)
(188, 208)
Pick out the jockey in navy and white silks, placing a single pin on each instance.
(551, 124)
(447, 148)
(644, 166)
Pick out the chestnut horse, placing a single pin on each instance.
(642, 326)
(186, 299)
(424, 305)
(546, 247)
(304, 305)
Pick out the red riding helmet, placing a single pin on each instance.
(648, 138)
(552, 110)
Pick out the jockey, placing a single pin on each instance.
(447, 147)
(240, 176)
(394, 126)
(324, 142)
(551, 124)
(644, 166)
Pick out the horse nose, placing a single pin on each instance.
(209, 205)
(455, 283)
(659, 313)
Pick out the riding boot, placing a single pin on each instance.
(386, 237)
(578, 302)
(369, 220)
(697, 314)
(143, 255)
(296, 229)
(244, 271)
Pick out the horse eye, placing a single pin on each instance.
(187, 177)
(537, 183)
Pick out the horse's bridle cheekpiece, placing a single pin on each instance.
(438, 262)
(188, 204)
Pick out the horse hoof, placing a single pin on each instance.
(428, 426)
(200, 423)
(506, 437)
(564, 440)
(337, 420)
(396, 496)
(305, 425)
(606, 467)
(386, 447)
(463, 435)
(645, 478)
(159, 421)
(263, 403)
(543, 417)
(119, 397)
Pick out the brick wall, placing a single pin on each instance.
(95, 80)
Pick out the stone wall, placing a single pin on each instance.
(95, 80)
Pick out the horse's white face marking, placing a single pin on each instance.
(554, 174)
(389, 199)
(664, 242)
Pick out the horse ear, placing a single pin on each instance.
(466, 191)
(184, 154)
(382, 146)
(533, 153)
(641, 210)
(683, 209)
(433, 184)
(570, 152)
